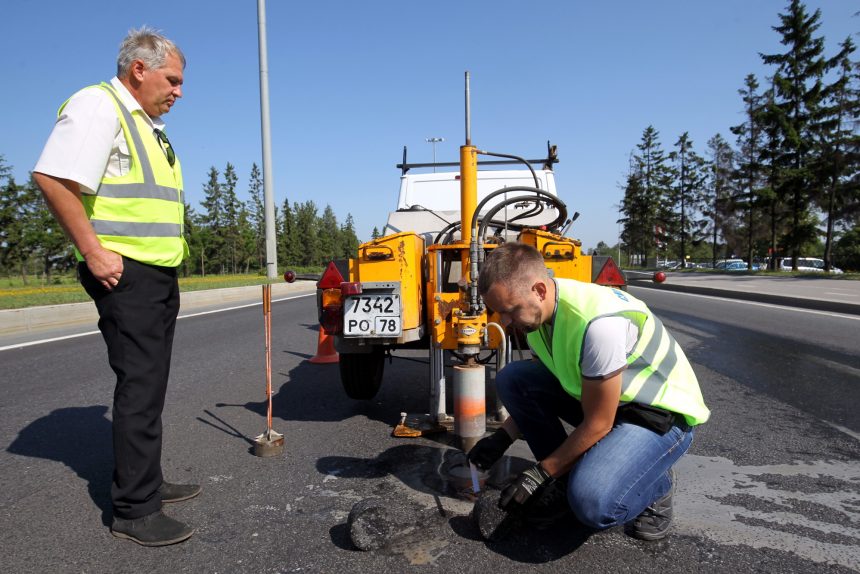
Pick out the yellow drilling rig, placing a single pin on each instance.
(416, 286)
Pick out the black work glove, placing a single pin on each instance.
(490, 449)
(526, 489)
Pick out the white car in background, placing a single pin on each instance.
(806, 264)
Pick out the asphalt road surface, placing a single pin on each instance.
(771, 484)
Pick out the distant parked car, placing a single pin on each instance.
(722, 263)
(734, 266)
(807, 264)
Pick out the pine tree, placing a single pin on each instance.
(348, 239)
(257, 212)
(307, 225)
(195, 262)
(654, 176)
(232, 206)
(246, 246)
(290, 250)
(14, 252)
(749, 172)
(375, 233)
(329, 235)
(717, 203)
(8, 214)
(839, 145)
(637, 232)
(685, 197)
(213, 221)
(797, 110)
(43, 237)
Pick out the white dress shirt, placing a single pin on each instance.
(87, 142)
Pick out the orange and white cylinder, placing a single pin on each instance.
(470, 408)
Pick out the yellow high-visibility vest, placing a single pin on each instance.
(140, 214)
(658, 373)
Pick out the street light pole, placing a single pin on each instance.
(434, 141)
(268, 183)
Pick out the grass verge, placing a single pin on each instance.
(14, 294)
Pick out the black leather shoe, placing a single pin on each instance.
(154, 529)
(178, 492)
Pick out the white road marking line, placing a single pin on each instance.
(756, 303)
(53, 339)
(840, 293)
(242, 306)
(76, 335)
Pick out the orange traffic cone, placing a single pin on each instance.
(325, 349)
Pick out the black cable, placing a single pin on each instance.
(533, 212)
(450, 229)
(506, 190)
(422, 208)
(554, 201)
(516, 157)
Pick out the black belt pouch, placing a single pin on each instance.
(652, 418)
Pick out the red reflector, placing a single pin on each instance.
(610, 274)
(331, 278)
(350, 288)
(331, 319)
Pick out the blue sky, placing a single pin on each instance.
(352, 82)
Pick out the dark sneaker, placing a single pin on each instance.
(154, 529)
(551, 507)
(178, 492)
(654, 522)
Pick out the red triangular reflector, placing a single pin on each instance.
(610, 274)
(331, 278)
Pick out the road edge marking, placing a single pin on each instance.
(188, 316)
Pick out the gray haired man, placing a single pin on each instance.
(113, 181)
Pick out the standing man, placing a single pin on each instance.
(607, 366)
(113, 181)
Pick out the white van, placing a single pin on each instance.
(429, 202)
(806, 264)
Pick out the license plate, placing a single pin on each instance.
(370, 315)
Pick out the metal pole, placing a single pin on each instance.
(468, 114)
(268, 181)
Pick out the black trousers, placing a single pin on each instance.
(137, 320)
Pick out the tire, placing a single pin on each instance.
(361, 373)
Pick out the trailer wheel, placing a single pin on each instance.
(361, 373)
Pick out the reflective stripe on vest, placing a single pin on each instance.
(139, 214)
(134, 229)
(647, 373)
(657, 373)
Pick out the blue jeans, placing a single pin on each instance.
(618, 477)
